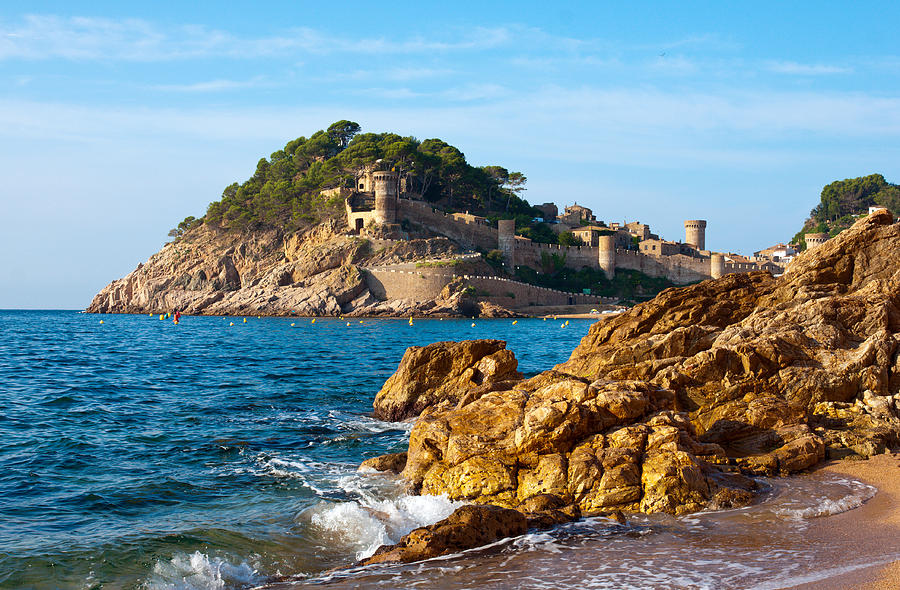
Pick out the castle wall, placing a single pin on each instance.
(425, 285)
(473, 234)
(678, 268)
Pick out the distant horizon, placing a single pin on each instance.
(119, 121)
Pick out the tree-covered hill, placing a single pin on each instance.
(843, 199)
(285, 191)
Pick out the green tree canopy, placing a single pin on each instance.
(842, 200)
(285, 189)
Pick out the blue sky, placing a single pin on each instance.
(119, 119)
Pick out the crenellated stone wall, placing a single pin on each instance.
(474, 235)
(426, 285)
(678, 268)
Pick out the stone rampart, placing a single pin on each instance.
(678, 268)
(424, 285)
(472, 235)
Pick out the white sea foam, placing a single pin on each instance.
(319, 477)
(822, 505)
(198, 571)
(365, 524)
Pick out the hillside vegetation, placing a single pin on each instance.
(842, 200)
(285, 190)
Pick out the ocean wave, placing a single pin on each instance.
(855, 494)
(198, 571)
(365, 524)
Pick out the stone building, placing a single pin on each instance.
(576, 216)
(776, 253)
(590, 234)
(469, 218)
(549, 211)
(376, 207)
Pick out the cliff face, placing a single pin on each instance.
(668, 406)
(315, 273)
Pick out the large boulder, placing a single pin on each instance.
(444, 372)
(468, 527)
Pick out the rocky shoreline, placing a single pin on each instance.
(316, 273)
(672, 406)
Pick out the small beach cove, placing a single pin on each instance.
(826, 529)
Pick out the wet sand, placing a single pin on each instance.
(870, 532)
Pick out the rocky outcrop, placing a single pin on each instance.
(759, 363)
(444, 373)
(392, 463)
(317, 272)
(670, 405)
(467, 527)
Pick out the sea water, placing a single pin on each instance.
(209, 454)
(223, 453)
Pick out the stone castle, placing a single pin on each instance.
(378, 204)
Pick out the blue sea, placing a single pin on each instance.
(137, 452)
(223, 452)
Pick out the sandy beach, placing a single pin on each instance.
(870, 533)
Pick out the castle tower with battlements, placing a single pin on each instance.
(506, 238)
(813, 240)
(607, 255)
(695, 233)
(386, 197)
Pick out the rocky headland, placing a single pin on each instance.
(316, 272)
(672, 406)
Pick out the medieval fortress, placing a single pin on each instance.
(379, 203)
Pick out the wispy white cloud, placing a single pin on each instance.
(212, 85)
(800, 69)
(81, 38)
(644, 117)
(676, 64)
(396, 74)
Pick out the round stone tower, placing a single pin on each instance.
(506, 238)
(607, 255)
(695, 233)
(386, 200)
(813, 240)
(717, 266)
